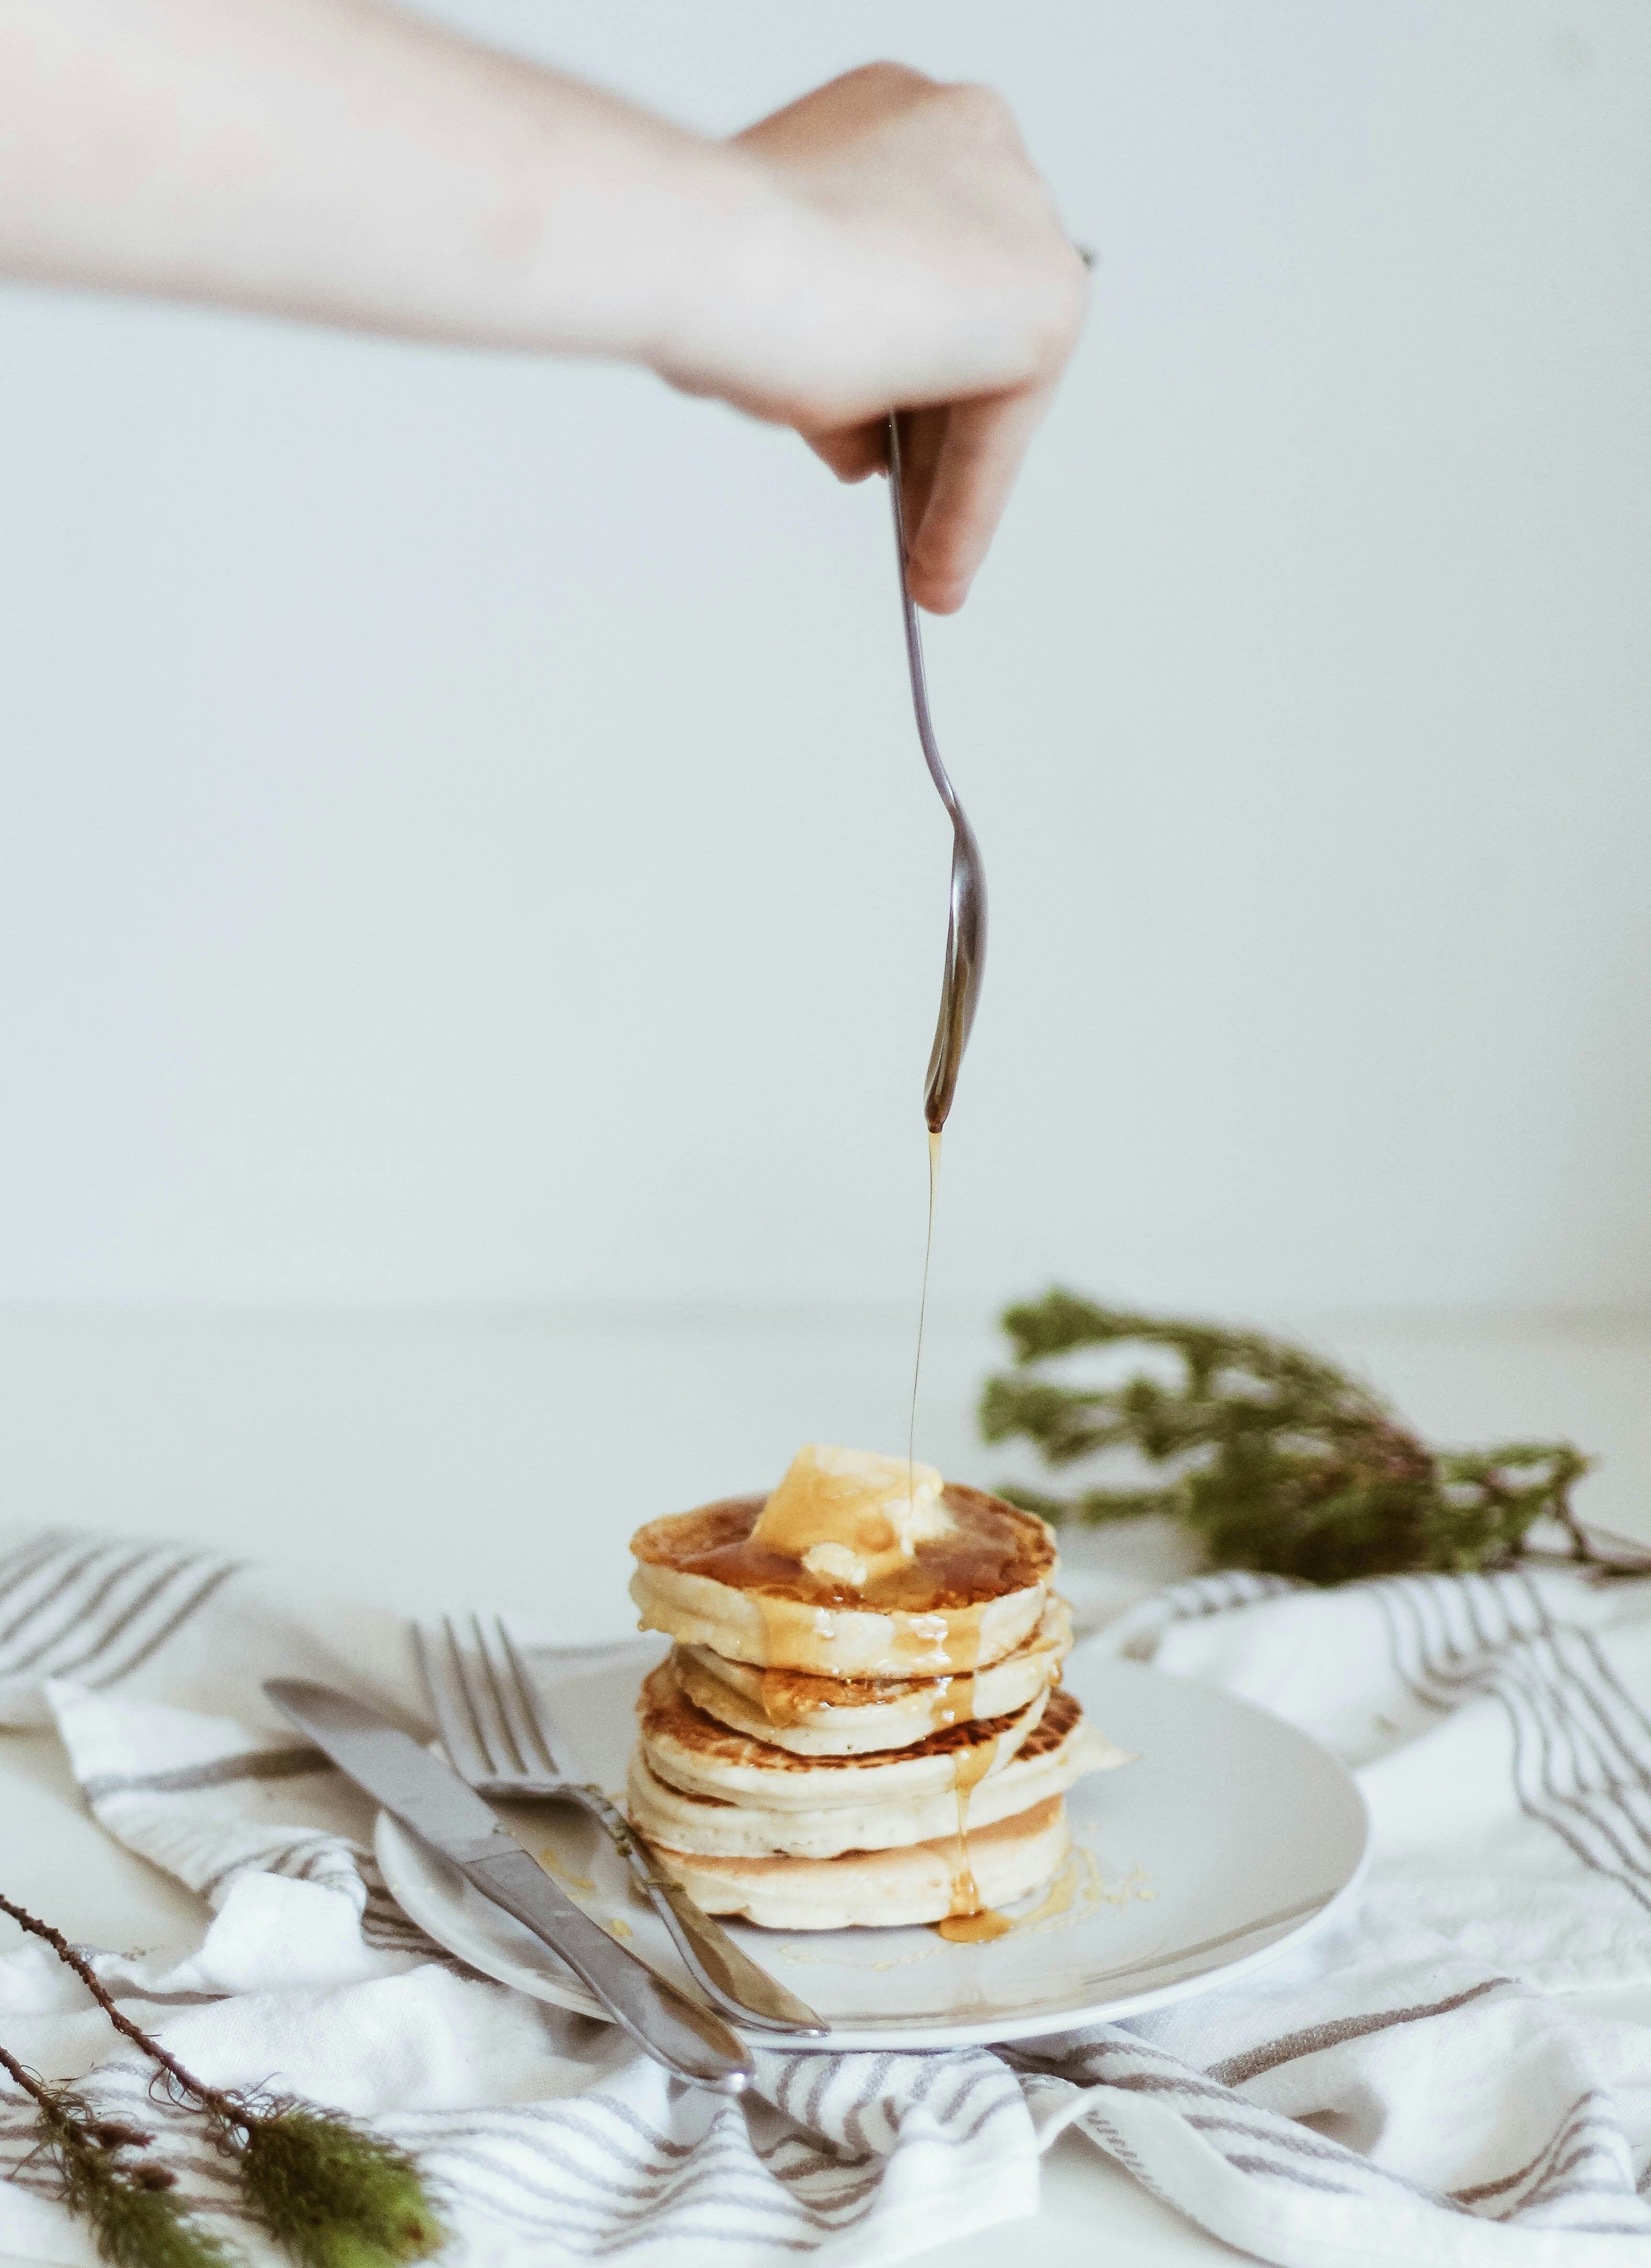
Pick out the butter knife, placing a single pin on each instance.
(435, 1803)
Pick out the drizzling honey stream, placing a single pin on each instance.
(923, 1310)
(969, 1923)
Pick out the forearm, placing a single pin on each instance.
(883, 242)
(338, 161)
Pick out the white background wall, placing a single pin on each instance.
(464, 839)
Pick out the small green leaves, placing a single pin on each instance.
(333, 2195)
(1279, 1461)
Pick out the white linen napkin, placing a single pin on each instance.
(1411, 2086)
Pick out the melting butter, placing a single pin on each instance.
(850, 1516)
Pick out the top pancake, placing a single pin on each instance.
(965, 1599)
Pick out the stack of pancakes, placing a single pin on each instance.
(818, 1752)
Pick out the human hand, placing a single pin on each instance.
(911, 256)
(884, 243)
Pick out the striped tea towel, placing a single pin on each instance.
(1414, 2086)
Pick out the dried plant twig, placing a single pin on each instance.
(136, 2218)
(331, 2193)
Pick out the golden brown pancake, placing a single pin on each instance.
(820, 1716)
(916, 1882)
(963, 1601)
(693, 1751)
(775, 1803)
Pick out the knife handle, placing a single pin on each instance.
(746, 1989)
(689, 2040)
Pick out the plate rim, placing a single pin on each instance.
(391, 1840)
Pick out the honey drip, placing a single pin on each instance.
(922, 1309)
(969, 1923)
(976, 1928)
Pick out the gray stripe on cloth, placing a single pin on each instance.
(1235, 2070)
(1635, 1743)
(737, 2187)
(19, 1624)
(982, 2076)
(934, 2070)
(1303, 2142)
(644, 2197)
(825, 2073)
(487, 2201)
(1244, 2162)
(625, 2115)
(29, 1558)
(729, 2123)
(1628, 1742)
(979, 2125)
(1536, 1652)
(1570, 2228)
(326, 1857)
(1586, 1801)
(1570, 2123)
(1533, 1696)
(1118, 2144)
(1541, 1675)
(85, 1611)
(1165, 2083)
(802, 2160)
(127, 1616)
(262, 1859)
(1527, 1736)
(163, 1999)
(647, 2190)
(639, 2189)
(1553, 2183)
(871, 2092)
(222, 1772)
(1284, 2135)
(168, 1629)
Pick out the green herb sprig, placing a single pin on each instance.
(328, 2191)
(1274, 1458)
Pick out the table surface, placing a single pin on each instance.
(425, 1460)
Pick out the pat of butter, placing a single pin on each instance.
(851, 1516)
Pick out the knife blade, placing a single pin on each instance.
(425, 1795)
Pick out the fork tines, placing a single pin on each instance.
(483, 1699)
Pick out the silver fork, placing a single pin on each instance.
(492, 1727)
(966, 917)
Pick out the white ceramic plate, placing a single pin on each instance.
(1232, 1836)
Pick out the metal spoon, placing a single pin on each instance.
(966, 922)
